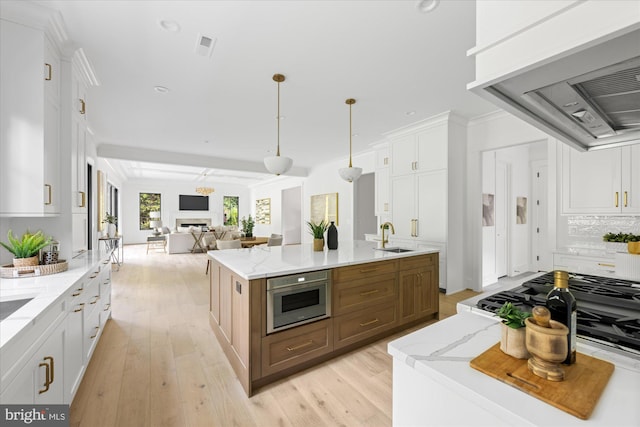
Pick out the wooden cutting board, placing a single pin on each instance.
(578, 394)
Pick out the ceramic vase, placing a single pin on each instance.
(332, 236)
(111, 230)
(318, 244)
(513, 342)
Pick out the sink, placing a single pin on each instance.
(7, 308)
(395, 250)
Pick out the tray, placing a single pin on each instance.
(578, 394)
(11, 272)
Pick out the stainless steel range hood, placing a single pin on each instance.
(589, 99)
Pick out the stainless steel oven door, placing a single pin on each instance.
(290, 305)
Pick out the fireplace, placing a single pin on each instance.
(193, 222)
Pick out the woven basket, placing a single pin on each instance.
(26, 262)
(13, 272)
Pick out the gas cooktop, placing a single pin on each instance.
(608, 308)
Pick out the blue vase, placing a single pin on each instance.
(332, 236)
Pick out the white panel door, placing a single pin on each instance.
(432, 206)
(631, 179)
(403, 205)
(432, 149)
(403, 155)
(501, 218)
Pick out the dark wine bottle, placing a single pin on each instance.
(562, 305)
(332, 236)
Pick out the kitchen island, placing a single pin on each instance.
(372, 294)
(433, 383)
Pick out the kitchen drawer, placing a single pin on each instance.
(362, 271)
(418, 262)
(351, 328)
(358, 294)
(296, 345)
(91, 330)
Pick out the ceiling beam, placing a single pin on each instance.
(186, 159)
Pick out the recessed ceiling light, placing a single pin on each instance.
(410, 113)
(354, 135)
(427, 6)
(168, 25)
(161, 89)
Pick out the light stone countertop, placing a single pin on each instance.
(45, 291)
(271, 261)
(439, 355)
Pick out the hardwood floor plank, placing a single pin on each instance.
(158, 362)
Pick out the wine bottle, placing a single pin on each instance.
(562, 305)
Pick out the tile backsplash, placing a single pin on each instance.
(587, 230)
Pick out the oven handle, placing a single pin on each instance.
(297, 286)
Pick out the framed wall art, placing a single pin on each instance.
(263, 211)
(324, 207)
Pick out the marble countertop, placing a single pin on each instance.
(271, 261)
(45, 290)
(440, 353)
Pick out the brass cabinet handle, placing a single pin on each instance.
(48, 202)
(48, 78)
(370, 322)
(107, 307)
(80, 308)
(371, 292)
(415, 227)
(82, 199)
(53, 370)
(368, 270)
(606, 265)
(385, 161)
(97, 297)
(298, 347)
(95, 334)
(616, 199)
(47, 383)
(82, 106)
(386, 207)
(626, 195)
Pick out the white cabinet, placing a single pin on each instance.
(382, 194)
(29, 122)
(40, 381)
(422, 151)
(600, 182)
(79, 232)
(79, 135)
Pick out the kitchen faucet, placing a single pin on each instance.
(383, 226)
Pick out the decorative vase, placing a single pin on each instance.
(513, 342)
(633, 248)
(111, 230)
(318, 244)
(26, 262)
(332, 236)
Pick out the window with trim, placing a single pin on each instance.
(149, 202)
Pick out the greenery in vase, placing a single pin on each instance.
(28, 245)
(247, 226)
(317, 230)
(512, 316)
(621, 237)
(110, 219)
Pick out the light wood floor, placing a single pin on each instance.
(158, 363)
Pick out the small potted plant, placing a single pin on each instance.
(25, 250)
(621, 241)
(317, 231)
(247, 226)
(111, 222)
(513, 336)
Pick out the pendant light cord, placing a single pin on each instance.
(278, 119)
(350, 134)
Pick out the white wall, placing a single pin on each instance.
(273, 190)
(128, 222)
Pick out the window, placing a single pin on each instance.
(149, 202)
(230, 210)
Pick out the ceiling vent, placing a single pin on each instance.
(204, 45)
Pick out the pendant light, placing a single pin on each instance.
(278, 164)
(350, 174)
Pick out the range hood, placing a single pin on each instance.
(588, 99)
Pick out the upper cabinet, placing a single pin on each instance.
(29, 122)
(382, 202)
(600, 182)
(422, 151)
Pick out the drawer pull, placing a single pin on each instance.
(107, 307)
(94, 276)
(97, 297)
(298, 347)
(49, 373)
(77, 292)
(370, 322)
(95, 334)
(606, 265)
(368, 270)
(371, 292)
(80, 308)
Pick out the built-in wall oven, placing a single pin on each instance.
(298, 299)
